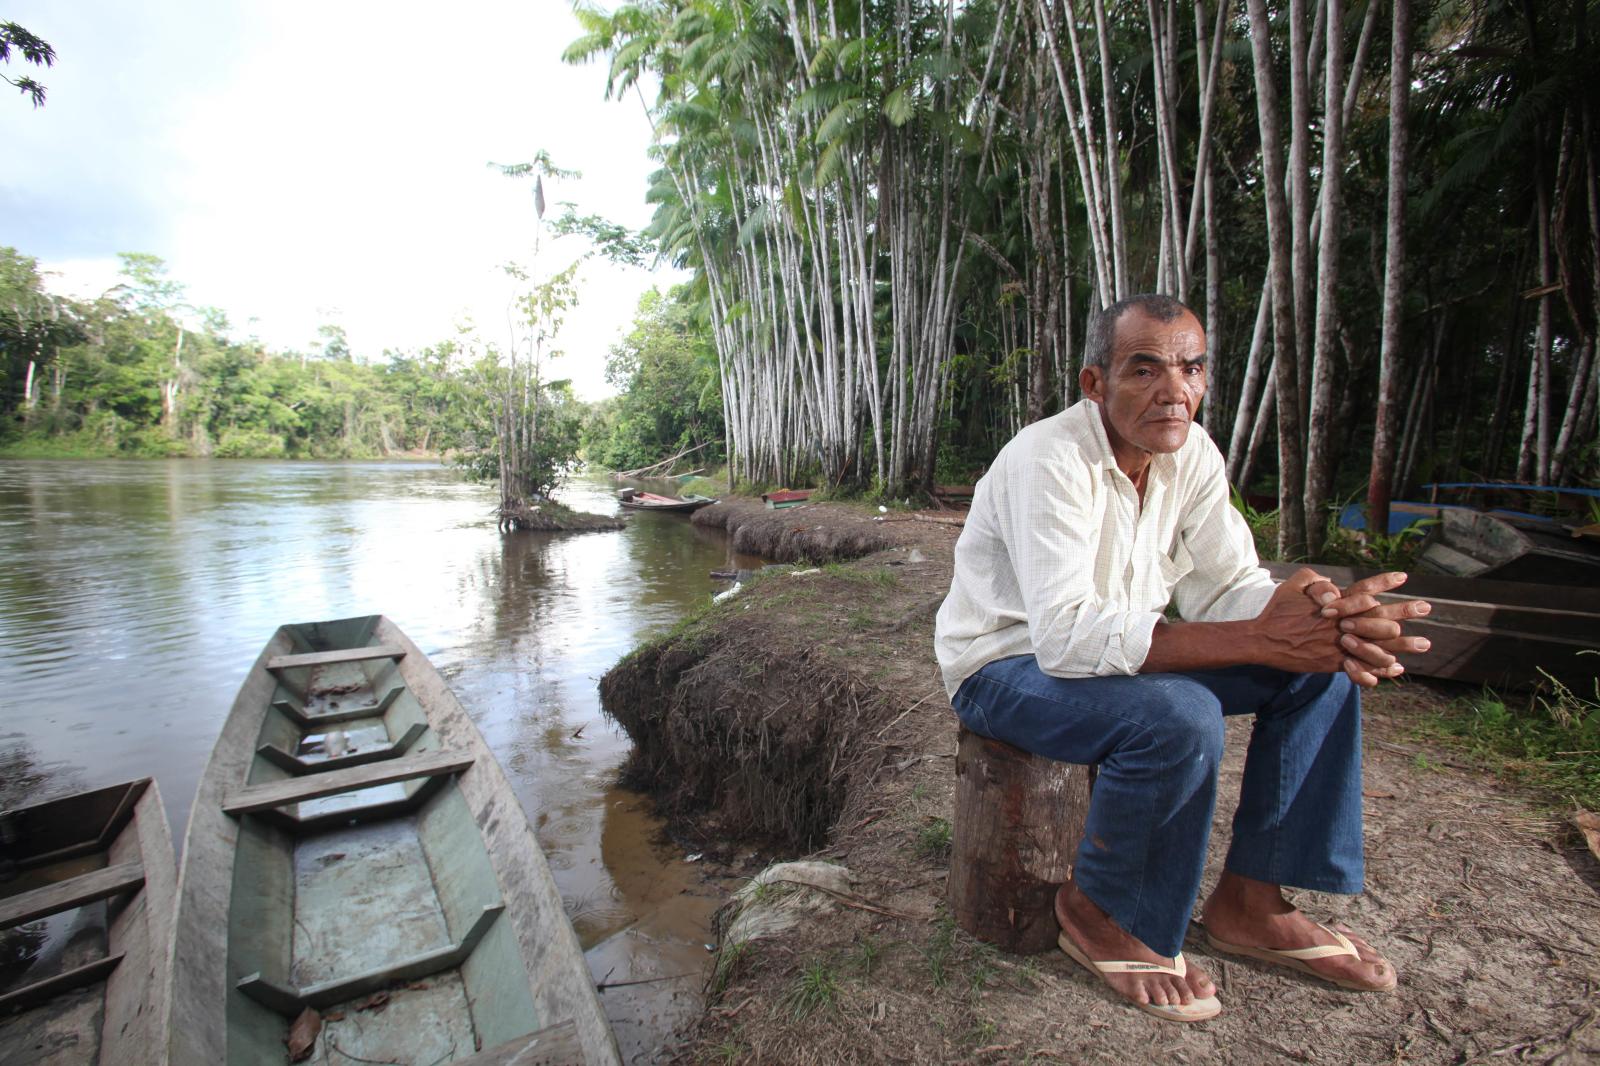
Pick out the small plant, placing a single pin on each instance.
(859, 619)
(814, 989)
(982, 1033)
(940, 949)
(983, 968)
(1263, 525)
(933, 839)
(727, 967)
(866, 956)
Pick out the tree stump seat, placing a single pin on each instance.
(1018, 821)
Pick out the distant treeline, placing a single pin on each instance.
(137, 372)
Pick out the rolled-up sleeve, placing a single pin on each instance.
(1053, 529)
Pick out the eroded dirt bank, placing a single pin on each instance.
(804, 717)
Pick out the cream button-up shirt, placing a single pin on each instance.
(1060, 560)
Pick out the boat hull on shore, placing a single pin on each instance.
(1508, 634)
(355, 851)
(86, 894)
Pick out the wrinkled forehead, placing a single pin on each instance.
(1139, 334)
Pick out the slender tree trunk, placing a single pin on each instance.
(1321, 456)
(1379, 484)
(1291, 464)
(1245, 410)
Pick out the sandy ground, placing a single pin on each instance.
(803, 717)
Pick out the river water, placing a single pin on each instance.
(135, 595)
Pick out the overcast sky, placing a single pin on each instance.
(301, 163)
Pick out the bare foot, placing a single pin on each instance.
(1254, 914)
(1100, 939)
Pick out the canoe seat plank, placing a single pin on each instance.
(254, 798)
(289, 1001)
(75, 892)
(50, 987)
(297, 712)
(298, 766)
(554, 1045)
(340, 655)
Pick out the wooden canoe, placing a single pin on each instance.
(1500, 633)
(86, 892)
(354, 849)
(636, 500)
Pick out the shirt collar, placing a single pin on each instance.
(1163, 468)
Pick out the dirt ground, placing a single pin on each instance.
(803, 717)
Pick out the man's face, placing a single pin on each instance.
(1153, 385)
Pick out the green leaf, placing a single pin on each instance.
(899, 107)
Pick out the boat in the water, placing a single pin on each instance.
(359, 881)
(639, 500)
(86, 892)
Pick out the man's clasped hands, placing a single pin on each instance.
(1315, 627)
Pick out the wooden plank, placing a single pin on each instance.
(254, 798)
(289, 1000)
(1463, 589)
(297, 765)
(554, 1045)
(341, 655)
(50, 987)
(74, 892)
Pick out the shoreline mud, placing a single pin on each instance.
(802, 718)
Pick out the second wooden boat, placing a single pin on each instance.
(359, 879)
(86, 885)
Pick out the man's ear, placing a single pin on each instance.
(1090, 380)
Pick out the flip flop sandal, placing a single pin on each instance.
(1299, 959)
(1198, 1011)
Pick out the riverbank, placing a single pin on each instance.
(803, 718)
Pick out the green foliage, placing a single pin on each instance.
(1551, 740)
(933, 839)
(1263, 526)
(815, 988)
(34, 50)
(124, 375)
(670, 398)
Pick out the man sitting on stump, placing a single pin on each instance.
(1053, 639)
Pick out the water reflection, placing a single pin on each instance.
(135, 595)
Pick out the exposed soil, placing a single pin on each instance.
(804, 716)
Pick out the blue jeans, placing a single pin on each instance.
(1158, 740)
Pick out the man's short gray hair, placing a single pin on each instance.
(1103, 326)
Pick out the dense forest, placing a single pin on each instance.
(136, 371)
(900, 214)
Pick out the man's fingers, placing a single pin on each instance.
(1322, 591)
(1405, 645)
(1376, 658)
(1360, 674)
(1377, 583)
(1348, 604)
(1370, 627)
(1304, 577)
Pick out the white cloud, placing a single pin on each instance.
(327, 161)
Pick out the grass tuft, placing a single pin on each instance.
(1550, 741)
(814, 989)
(933, 839)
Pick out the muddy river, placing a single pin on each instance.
(135, 595)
